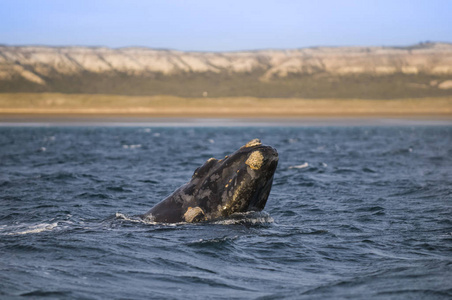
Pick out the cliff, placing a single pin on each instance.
(423, 70)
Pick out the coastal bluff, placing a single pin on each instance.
(422, 70)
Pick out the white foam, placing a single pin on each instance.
(135, 219)
(35, 228)
(131, 146)
(148, 221)
(218, 240)
(252, 221)
(127, 218)
(246, 218)
(49, 138)
(237, 218)
(302, 166)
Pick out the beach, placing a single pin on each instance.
(83, 108)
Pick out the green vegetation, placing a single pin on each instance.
(317, 86)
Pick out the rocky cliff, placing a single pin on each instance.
(423, 70)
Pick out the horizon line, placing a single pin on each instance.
(421, 43)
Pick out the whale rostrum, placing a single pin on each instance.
(240, 182)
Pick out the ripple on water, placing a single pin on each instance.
(352, 212)
(22, 229)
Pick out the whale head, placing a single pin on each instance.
(240, 182)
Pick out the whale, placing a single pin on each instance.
(240, 182)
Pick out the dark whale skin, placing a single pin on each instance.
(240, 182)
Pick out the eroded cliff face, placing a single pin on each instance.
(426, 67)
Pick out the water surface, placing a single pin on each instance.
(355, 212)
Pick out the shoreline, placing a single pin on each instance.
(83, 109)
(128, 121)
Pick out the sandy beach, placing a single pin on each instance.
(83, 108)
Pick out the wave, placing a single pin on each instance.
(246, 218)
(27, 229)
(302, 166)
(132, 146)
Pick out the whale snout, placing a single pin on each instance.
(238, 183)
(262, 158)
(271, 154)
(261, 164)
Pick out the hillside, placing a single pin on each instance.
(423, 70)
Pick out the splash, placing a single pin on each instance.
(302, 166)
(247, 218)
(136, 146)
(24, 229)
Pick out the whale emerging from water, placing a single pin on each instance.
(240, 182)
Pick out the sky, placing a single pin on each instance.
(220, 25)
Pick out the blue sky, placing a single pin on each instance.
(215, 25)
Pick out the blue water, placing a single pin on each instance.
(355, 213)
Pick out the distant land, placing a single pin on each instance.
(419, 71)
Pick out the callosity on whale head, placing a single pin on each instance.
(238, 183)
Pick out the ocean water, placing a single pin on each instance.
(355, 213)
